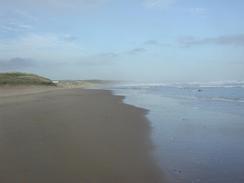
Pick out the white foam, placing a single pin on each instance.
(226, 84)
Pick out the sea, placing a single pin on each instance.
(197, 128)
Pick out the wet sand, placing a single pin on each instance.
(74, 136)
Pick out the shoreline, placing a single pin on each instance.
(75, 135)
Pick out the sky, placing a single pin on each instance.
(132, 40)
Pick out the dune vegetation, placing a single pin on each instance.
(18, 78)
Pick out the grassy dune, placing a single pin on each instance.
(17, 78)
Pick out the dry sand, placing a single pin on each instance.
(6, 91)
(74, 136)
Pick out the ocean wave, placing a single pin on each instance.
(218, 93)
(206, 98)
(224, 84)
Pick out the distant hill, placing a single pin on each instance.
(17, 78)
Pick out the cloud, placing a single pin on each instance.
(228, 40)
(155, 43)
(158, 3)
(16, 63)
(136, 51)
(41, 46)
(198, 11)
(54, 5)
(48, 50)
(16, 22)
(69, 38)
(109, 55)
(25, 15)
(15, 27)
(152, 42)
(98, 59)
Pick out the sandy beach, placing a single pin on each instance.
(75, 136)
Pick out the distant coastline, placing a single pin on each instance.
(17, 83)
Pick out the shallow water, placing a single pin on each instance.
(198, 131)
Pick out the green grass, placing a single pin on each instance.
(17, 78)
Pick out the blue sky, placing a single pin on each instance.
(140, 40)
